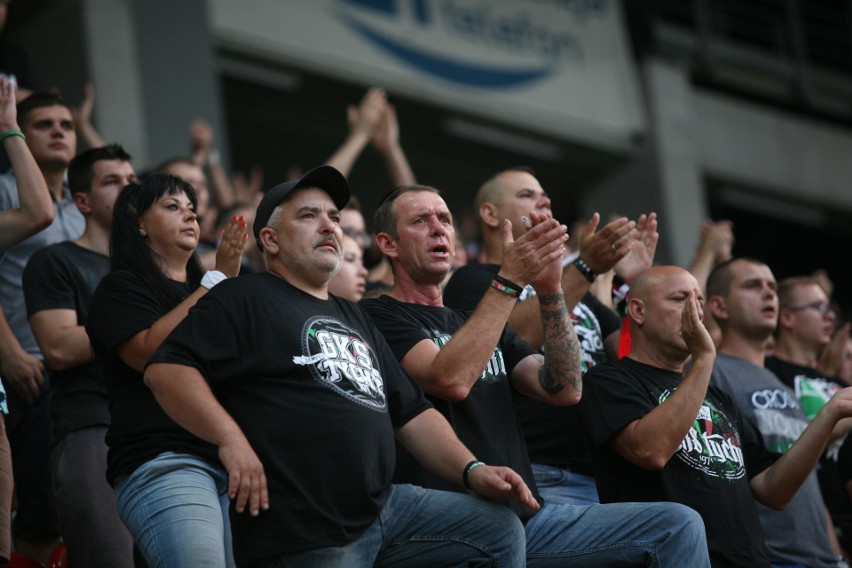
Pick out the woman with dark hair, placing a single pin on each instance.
(171, 490)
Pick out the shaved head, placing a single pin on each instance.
(720, 278)
(492, 190)
(653, 280)
(658, 297)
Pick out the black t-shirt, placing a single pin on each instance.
(64, 276)
(554, 434)
(710, 471)
(317, 393)
(484, 421)
(814, 389)
(140, 430)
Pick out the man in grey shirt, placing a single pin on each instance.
(742, 298)
(50, 137)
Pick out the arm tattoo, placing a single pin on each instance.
(548, 383)
(561, 365)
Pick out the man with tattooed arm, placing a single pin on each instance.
(467, 364)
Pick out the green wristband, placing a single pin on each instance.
(10, 133)
(467, 469)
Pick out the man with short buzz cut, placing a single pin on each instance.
(560, 457)
(468, 365)
(59, 283)
(659, 432)
(742, 299)
(49, 129)
(272, 366)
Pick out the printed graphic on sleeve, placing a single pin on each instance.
(712, 446)
(341, 360)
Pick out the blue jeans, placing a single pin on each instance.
(425, 528)
(176, 508)
(617, 534)
(559, 486)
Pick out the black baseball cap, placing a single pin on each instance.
(325, 178)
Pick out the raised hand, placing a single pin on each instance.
(717, 239)
(640, 257)
(603, 249)
(248, 188)
(386, 135)
(365, 117)
(83, 113)
(200, 140)
(695, 335)
(549, 279)
(234, 239)
(8, 110)
(531, 258)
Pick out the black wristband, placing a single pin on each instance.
(506, 283)
(467, 469)
(584, 269)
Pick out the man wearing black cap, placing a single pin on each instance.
(271, 363)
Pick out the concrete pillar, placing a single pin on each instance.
(678, 158)
(114, 68)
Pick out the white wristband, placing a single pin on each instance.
(527, 293)
(212, 277)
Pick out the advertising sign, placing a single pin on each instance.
(560, 67)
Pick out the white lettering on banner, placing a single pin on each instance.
(516, 32)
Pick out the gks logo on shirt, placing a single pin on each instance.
(341, 360)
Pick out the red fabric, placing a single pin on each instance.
(624, 342)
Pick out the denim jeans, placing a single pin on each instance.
(176, 507)
(425, 528)
(617, 534)
(559, 486)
